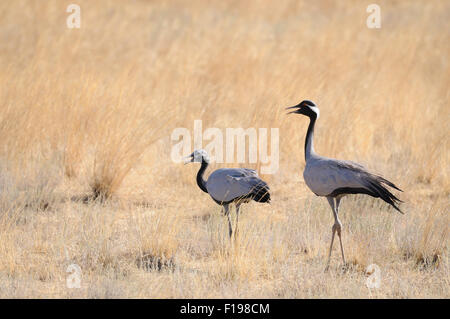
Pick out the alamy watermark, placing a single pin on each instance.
(73, 280)
(374, 19)
(374, 279)
(222, 147)
(74, 19)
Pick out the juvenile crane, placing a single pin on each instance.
(230, 185)
(335, 179)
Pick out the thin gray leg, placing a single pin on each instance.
(238, 206)
(338, 201)
(227, 213)
(337, 227)
(333, 229)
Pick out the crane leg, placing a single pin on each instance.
(227, 213)
(337, 227)
(331, 248)
(236, 230)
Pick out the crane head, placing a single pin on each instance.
(305, 107)
(197, 156)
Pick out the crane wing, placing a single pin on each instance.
(227, 184)
(324, 175)
(329, 177)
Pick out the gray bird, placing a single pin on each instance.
(335, 179)
(230, 185)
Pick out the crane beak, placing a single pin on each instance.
(188, 159)
(297, 107)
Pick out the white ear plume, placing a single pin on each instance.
(315, 110)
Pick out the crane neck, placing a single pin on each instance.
(309, 144)
(200, 180)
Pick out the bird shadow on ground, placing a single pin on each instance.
(348, 268)
(149, 205)
(84, 198)
(204, 217)
(39, 205)
(425, 261)
(149, 262)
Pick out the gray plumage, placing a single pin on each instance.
(330, 177)
(230, 185)
(335, 179)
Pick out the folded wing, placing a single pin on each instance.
(228, 184)
(329, 177)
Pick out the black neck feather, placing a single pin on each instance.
(200, 181)
(309, 146)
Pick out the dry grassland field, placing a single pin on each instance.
(92, 204)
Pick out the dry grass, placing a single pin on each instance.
(86, 115)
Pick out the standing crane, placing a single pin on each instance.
(335, 179)
(230, 185)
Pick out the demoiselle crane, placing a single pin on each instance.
(335, 179)
(230, 185)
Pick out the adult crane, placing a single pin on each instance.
(230, 185)
(335, 179)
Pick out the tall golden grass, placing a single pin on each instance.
(87, 113)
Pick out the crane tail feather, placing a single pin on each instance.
(385, 181)
(375, 185)
(260, 192)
